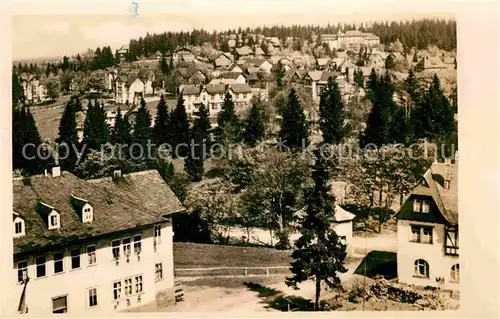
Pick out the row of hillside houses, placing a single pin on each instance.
(212, 96)
(90, 246)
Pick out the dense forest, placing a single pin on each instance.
(417, 33)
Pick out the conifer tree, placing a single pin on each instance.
(142, 127)
(179, 126)
(68, 135)
(95, 131)
(332, 114)
(195, 159)
(161, 123)
(121, 130)
(358, 78)
(16, 89)
(228, 124)
(294, 129)
(319, 254)
(279, 74)
(254, 125)
(164, 66)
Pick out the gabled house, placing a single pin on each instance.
(244, 51)
(91, 247)
(261, 64)
(322, 63)
(232, 78)
(223, 60)
(33, 88)
(131, 88)
(427, 227)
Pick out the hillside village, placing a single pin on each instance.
(280, 96)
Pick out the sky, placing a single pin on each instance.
(39, 32)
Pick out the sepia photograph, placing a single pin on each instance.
(233, 163)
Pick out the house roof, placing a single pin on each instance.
(315, 75)
(191, 90)
(131, 80)
(245, 50)
(241, 88)
(231, 75)
(322, 61)
(327, 74)
(371, 36)
(215, 88)
(341, 215)
(353, 33)
(113, 211)
(259, 51)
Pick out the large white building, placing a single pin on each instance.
(349, 39)
(428, 231)
(90, 247)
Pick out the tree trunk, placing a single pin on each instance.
(318, 293)
(248, 235)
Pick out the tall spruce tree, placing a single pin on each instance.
(254, 125)
(16, 89)
(358, 78)
(279, 73)
(294, 129)
(142, 129)
(195, 159)
(179, 126)
(95, 129)
(68, 136)
(332, 114)
(161, 124)
(121, 130)
(228, 124)
(319, 254)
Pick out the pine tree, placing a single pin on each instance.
(161, 123)
(358, 78)
(16, 89)
(68, 135)
(96, 130)
(121, 130)
(332, 114)
(228, 124)
(142, 128)
(195, 159)
(378, 127)
(279, 73)
(225, 47)
(254, 125)
(179, 128)
(294, 129)
(164, 66)
(319, 254)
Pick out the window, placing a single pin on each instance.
(40, 267)
(421, 268)
(58, 263)
(137, 244)
(87, 214)
(244, 95)
(22, 271)
(75, 258)
(425, 206)
(60, 304)
(91, 255)
(92, 297)
(128, 286)
(212, 97)
(416, 205)
(158, 272)
(158, 233)
(18, 227)
(455, 273)
(126, 246)
(138, 284)
(446, 184)
(54, 221)
(117, 290)
(115, 244)
(421, 234)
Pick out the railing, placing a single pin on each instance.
(232, 271)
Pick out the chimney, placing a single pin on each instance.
(56, 171)
(117, 174)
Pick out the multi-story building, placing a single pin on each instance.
(212, 96)
(351, 38)
(90, 247)
(33, 88)
(428, 230)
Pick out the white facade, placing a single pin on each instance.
(344, 231)
(98, 272)
(439, 264)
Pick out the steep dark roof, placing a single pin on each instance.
(215, 88)
(140, 203)
(191, 89)
(231, 75)
(241, 88)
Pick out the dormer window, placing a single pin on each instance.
(421, 206)
(83, 209)
(19, 227)
(50, 216)
(54, 222)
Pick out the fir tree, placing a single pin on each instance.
(332, 114)
(142, 127)
(294, 129)
(254, 125)
(319, 254)
(179, 126)
(161, 123)
(195, 159)
(16, 89)
(228, 124)
(68, 135)
(96, 130)
(121, 130)
(358, 78)
(164, 66)
(279, 73)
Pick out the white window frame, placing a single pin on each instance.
(138, 284)
(54, 222)
(60, 297)
(54, 260)
(20, 222)
(22, 272)
(126, 242)
(137, 244)
(425, 206)
(117, 290)
(422, 234)
(92, 255)
(92, 293)
(417, 270)
(74, 257)
(128, 286)
(115, 249)
(455, 273)
(88, 214)
(157, 233)
(417, 205)
(158, 272)
(44, 264)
